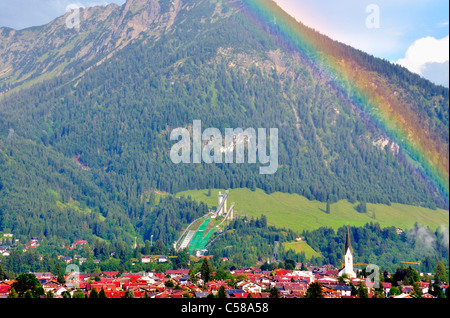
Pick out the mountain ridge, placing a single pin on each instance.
(102, 31)
(203, 60)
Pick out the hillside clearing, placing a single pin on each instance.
(295, 212)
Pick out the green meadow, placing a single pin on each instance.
(301, 246)
(295, 212)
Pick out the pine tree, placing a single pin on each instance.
(159, 248)
(417, 290)
(314, 290)
(93, 293)
(221, 293)
(206, 271)
(362, 207)
(2, 273)
(60, 278)
(362, 290)
(128, 294)
(274, 292)
(102, 294)
(147, 248)
(441, 275)
(192, 277)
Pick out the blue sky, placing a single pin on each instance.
(413, 33)
(401, 22)
(19, 14)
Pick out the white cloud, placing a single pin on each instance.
(425, 51)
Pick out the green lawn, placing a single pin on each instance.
(301, 246)
(298, 213)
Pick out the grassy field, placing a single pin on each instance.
(298, 213)
(301, 246)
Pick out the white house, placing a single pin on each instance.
(147, 278)
(145, 259)
(308, 275)
(59, 291)
(343, 290)
(251, 288)
(4, 250)
(163, 259)
(328, 280)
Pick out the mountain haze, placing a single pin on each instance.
(86, 115)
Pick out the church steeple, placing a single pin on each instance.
(348, 258)
(347, 241)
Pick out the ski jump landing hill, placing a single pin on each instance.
(197, 238)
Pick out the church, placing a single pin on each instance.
(348, 263)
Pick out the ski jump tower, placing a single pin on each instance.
(222, 207)
(222, 203)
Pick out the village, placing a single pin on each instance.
(301, 281)
(251, 282)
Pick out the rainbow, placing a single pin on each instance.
(367, 91)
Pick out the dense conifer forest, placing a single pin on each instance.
(82, 153)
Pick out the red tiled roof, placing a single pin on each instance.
(114, 294)
(5, 288)
(133, 277)
(239, 295)
(9, 282)
(281, 272)
(178, 271)
(110, 274)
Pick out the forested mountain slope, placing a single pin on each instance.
(85, 121)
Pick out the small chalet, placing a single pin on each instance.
(177, 272)
(386, 287)
(51, 285)
(146, 259)
(251, 288)
(343, 290)
(163, 259)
